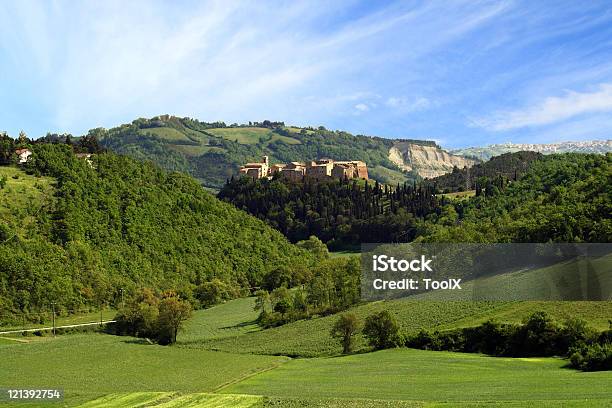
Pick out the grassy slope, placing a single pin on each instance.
(431, 376)
(575, 280)
(460, 195)
(236, 330)
(246, 135)
(597, 314)
(89, 366)
(251, 135)
(22, 199)
(231, 319)
(167, 133)
(308, 338)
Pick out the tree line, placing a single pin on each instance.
(538, 336)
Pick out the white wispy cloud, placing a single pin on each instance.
(408, 105)
(550, 110)
(102, 63)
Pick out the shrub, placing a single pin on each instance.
(538, 336)
(382, 331)
(425, 340)
(214, 292)
(594, 357)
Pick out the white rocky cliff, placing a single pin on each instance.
(426, 161)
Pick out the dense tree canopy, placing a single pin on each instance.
(560, 198)
(342, 213)
(118, 223)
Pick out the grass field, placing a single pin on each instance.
(231, 319)
(251, 135)
(196, 150)
(231, 327)
(175, 400)
(78, 318)
(424, 376)
(88, 366)
(22, 198)
(575, 279)
(167, 133)
(223, 358)
(310, 338)
(597, 314)
(109, 371)
(298, 130)
(346, 253)
(244, 135)
(391, 177)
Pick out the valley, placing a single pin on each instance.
(257, 295)
(212, 364)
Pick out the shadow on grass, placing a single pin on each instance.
(240, 325)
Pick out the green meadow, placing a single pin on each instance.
(229, 332)
(251, 135)
(88, 366)
(223, 358)
(105, 371)
(22, 198)
(426, 376)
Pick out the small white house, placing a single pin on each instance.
(23, 155)
(86, 156)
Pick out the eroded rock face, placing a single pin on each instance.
(426, 161)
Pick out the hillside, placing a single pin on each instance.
(508, 165)
(226, 327)
(80, 234)
(342, 213)
(560, 198)
(213, 152)
(486, 152)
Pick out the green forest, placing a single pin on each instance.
(510, 166)
(560, 198)
(78, 233)
(520, 197)
(342, 213)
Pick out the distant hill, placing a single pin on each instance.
(213, 152)
(508, 165)
(485, 153)
(80, 234)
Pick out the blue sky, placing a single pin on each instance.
(464, 73)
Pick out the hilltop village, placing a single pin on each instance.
(316, 169)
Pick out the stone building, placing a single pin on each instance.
(316, 169)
